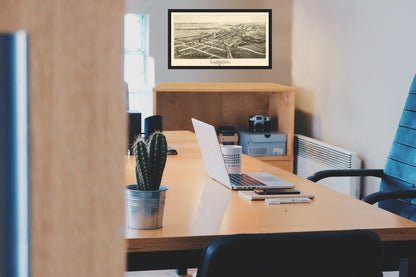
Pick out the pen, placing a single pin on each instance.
(287, 200)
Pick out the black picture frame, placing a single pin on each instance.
(219, 39)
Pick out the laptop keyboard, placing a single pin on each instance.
(244, 181)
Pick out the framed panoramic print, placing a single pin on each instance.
(204, 39)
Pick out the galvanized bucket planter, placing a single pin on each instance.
(145, 208)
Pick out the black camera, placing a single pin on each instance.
(259, 124)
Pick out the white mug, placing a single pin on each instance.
(232, 157)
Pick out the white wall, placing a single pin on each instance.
(352, 65)
(281, 40)
(350, 61)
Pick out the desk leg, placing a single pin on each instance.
(407, 267)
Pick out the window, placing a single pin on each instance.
(138, 65)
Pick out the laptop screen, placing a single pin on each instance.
(211, 152)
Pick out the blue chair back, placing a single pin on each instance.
(400, 168)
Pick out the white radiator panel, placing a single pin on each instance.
(312, 155)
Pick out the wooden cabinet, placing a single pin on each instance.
(228, 104)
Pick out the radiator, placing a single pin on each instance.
(312, 155)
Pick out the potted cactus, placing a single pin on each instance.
(145, 200)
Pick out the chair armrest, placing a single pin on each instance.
(345, 173)
(384, 195)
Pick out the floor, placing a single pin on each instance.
(391, 274)
(159, 273)
(192, 273)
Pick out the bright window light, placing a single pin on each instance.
(138, 65)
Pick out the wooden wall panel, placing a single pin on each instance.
(220, 109)
(78, 133)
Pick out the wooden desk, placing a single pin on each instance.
(198, 210)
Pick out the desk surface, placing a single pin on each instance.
(198, 209)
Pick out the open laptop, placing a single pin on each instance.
(217, 170)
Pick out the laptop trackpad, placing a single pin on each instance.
(270, 179)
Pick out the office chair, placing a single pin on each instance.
(397, 188)
(332, 253)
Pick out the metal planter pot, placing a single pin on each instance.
(145, 208)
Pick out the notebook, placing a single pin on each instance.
(252, 196)
(217, 170)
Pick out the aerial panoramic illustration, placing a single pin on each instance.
(219, 38)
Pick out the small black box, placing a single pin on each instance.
(135, 128)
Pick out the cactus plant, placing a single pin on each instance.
(150, 161)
